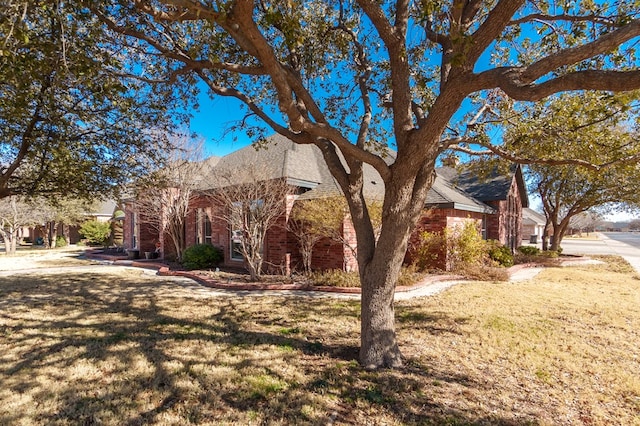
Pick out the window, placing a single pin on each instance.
(203, 227)
(134, 230)
(484, 227)
(236, 245)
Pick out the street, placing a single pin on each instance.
(625, 244)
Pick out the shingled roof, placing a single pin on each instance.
(444, 194)
(301, 164)
(532, 217)
(493, 187)
(304, 166)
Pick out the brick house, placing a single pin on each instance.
(505, 194)
(533, 224)
(498, 210)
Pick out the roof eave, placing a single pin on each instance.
(463, 207)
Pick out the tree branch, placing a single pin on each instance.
(491, 28)
(495, 150)
(394, 40)
(563, 17)
(511, 82)
(573, 55)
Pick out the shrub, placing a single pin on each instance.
(61, 241)
(429, 252)
(202, 256)
(335, 278)
(484, 273)
(529, 250)
(409, 275)
(465, 246)
(551, 254)
(501, 254)
(451, 249)
(95, 232)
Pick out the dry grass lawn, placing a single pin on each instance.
(123, 348)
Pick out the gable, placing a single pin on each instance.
(495, 187)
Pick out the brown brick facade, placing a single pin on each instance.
(281, 254)
(506, 225)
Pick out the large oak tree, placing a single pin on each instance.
(352, 77)
(71, 122)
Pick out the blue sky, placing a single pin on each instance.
(211, 121)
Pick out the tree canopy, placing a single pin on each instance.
(354, 76)
(597, 134)
(70, 123)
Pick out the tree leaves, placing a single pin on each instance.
(70, 122)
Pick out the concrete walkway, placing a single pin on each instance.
(201, 288)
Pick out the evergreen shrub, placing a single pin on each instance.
(95, 232)
(501, 254)
(202, 256)
(61, 241)
(529, 250)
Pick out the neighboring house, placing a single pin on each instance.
(495, 204)
(103, 212)
(533, 224)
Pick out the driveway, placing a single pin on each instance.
(625, 244)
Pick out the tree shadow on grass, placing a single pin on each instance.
(102, 348)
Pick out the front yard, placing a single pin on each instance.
(122, 347)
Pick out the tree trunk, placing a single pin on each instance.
(45, 236)
(14, 245)
(66, 233)
(378, 344)
(53, 234)
(556, 237)
(381, 266)
(9, 246)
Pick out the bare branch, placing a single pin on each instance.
(541, 17)
(496, 150)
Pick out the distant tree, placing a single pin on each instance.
(49, 215)
(15, 214)
(594, 127)
(71, 124)
(163, 198)
(568, 191)
(586, 221)
(251, 204)
(634, 224)
(95, 232)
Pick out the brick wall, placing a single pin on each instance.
(133, 225)
(281, 251)
(506, 225)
